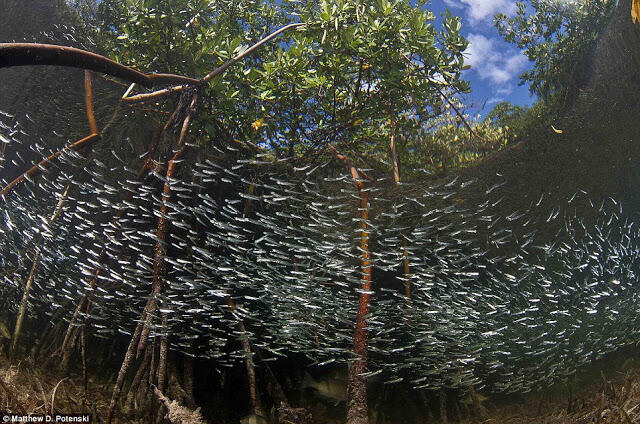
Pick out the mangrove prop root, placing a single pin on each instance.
(394, 155)
(66, 356)
(51, 325)
(93, 126)
(159, 265)
(146, 167)
(27, 288)
(137, 379)
(24, 303)
(55, 337)
(251, 370)
(254, 401)
(78, 145)
(21, 54)
(275, 389)
(88, 101)
(83, 353)
(162, 364)
(443, 407)
(405, 252)
(123, 372)
(85, 300)
(73, 332)
(146, 395)
(53, 395)
(58, 209)
(187, 377)
(37, 169)
(164, 347)
(67, 338)
(357, 411)
(162, 232)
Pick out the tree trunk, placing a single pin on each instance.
(357, 412)
(405, 241)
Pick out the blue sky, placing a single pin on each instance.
(495, 64)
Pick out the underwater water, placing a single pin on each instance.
(152, 244)
(489, 306)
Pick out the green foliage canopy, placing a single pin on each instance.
(557, 37)
(449, 145)
(355, 69)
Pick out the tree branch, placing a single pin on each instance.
(460, 115)
(250, 50)
(26, 54)
(88, 101)
(215, 72)
(37, 169)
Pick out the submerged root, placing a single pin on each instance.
(178, 414)
(135, 384)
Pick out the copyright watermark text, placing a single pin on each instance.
(45, 418)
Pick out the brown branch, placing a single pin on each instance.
(394, 155)
(137, 379)
(67, 336)
(123, 372)
(159, 264)
(53, 395)
(154, 95)
(88, 102)
(357, 412)
(37, 169)
(78, 145)
(250, 50)
(357, 174)
(215, 72)
(453, 106)
(25, 54)
(405, 241)
(254, 400)
(147, 166)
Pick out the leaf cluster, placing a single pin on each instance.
(557, 36)
(354, 73)
(450, 145)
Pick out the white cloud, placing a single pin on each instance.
(481, 10)
(494, 100)
(492, 63)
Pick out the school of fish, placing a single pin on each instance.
(282, 239)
